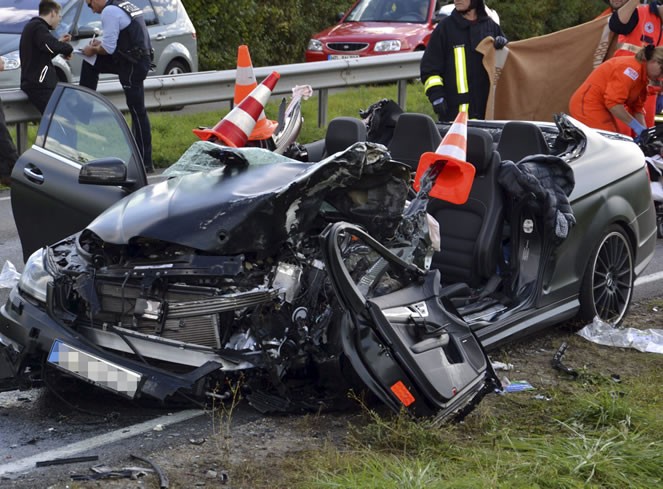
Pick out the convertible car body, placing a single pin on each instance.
(318, 274)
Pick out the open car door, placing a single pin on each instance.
(79, 127)
(411, 351)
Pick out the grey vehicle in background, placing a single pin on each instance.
(172, 34)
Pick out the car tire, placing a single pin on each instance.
(176, 67)
(607, 285)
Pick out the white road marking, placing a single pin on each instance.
(84, 446)
(5, 198)
(645, 279)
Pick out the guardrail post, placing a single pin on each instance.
(402, 93)
(323, 99)
(21, 137)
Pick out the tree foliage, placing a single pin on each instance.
(277, 31)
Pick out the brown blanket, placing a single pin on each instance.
(534, 78)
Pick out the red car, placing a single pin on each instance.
(373, 27)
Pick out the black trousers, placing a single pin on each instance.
(132, 77)
(39, 97)
(8, 153)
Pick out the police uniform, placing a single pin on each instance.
(37, 48)
(452, 69)
(130, 57)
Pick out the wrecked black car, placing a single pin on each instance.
(299, 280)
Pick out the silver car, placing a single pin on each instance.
(171, 31)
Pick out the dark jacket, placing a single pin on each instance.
(37, 48)
(453, 35)
(550, 179)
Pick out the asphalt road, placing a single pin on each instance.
(38, 425)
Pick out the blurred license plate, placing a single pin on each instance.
(343, 56)
(94, 369)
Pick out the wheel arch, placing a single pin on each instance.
(175, 52)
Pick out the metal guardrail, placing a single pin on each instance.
(218, 86)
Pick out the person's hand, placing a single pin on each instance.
(440, 107)
(639, 130)
(500, 42)
(89, 50)
(65, 38)
(2, 64)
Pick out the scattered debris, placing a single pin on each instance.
(163, 478)
(557, 364)
(516, 385)
(158, 427)
(69, 460)
(645, 340)
(9, 276)
(197, 441)
(502, 366)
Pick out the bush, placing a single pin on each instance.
(277, 31)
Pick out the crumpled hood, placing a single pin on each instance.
(258, 209)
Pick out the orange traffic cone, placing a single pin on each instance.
(245, 82)
(454, 182)
(234, 129)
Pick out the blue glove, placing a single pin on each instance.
(638, 129)
(440, 107)
(500, 42)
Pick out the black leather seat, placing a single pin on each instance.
(342, 133)
(471, 233)
(520, 139)
(414, 135)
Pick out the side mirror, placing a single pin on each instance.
(87, 31)
(105, 171)
(339, 16)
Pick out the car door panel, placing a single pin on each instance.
(78, 126)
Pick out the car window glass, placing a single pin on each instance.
(89, 21)
(83, 129)
(389, 11)
(67, 22)
(148, 11)
(166, 10)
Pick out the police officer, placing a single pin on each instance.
(451, 69)
(126, 51)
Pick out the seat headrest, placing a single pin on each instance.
(479, 149)
(520, 139)
(414, 135)
(342, 133)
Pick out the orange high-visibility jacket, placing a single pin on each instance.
(617, 81)
(647, 31)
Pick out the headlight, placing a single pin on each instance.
(314, 45)
(35, 278)
(12, 61)
(384, 46)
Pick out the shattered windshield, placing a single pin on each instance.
(206, 156)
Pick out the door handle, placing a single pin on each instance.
(33, 174)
